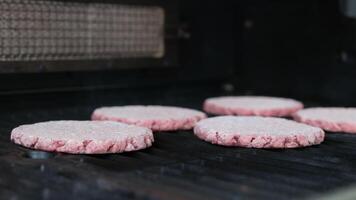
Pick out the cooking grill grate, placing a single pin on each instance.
(178, 166)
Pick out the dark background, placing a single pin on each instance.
(302, 49)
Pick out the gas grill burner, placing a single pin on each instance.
(178, 166)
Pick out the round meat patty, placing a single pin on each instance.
(82, 137)
(329, 119)
(257, 132)
(157, 118)
(252, 105)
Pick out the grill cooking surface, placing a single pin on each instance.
(178, 166)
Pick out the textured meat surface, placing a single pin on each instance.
(82, 137)
(329, 119)
(257, 132)
(157, 118)
(252, 105)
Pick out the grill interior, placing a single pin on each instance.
(178, 166)
(222, 48)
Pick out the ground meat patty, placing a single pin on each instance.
(82, 137)
(252, 105)
(257, 132)
(329, 119)
(157, 118)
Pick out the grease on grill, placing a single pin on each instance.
(38, 155)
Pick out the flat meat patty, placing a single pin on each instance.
(157, 118)
(252, 106)
(329, 119)
(82, 137)
(257, 132)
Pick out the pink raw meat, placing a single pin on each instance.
(82, 137)
(157, 118)
(252, 105)
(329, 119)
(257, 132)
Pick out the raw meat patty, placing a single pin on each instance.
(257, 132)
(252, 105)
(329, 119)
(157, 118)
(82, 137)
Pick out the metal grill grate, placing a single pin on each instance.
(178, 166)
(53, 30)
